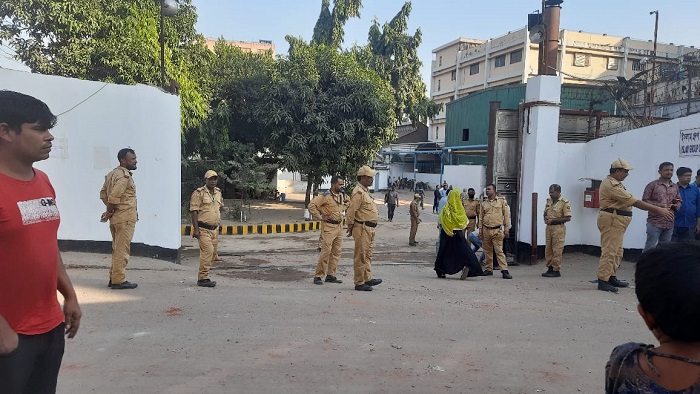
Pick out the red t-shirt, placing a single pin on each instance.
(29, 222)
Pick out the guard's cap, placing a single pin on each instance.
(416, 195)
(210, 174)
(621, 163)
(366, 171)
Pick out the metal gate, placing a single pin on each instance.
(503, 163)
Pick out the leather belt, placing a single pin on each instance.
(617, 211)
(492, 228)
(207, 226)
(368, 224)
(471, 217)
(331, 221)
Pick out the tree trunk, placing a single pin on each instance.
(309, 185)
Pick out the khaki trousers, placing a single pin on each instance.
(208, 243)
(362, 258)
(612, 229)
(331, 244)
(471, 226)
(414, 230)
(555, 237)
(492, 241)
(122, 234)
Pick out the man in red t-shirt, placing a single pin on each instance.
(32, 324)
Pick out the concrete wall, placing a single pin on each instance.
(466, 176)
(546, 161)
(95, 121)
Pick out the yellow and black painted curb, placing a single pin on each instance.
(262, 228)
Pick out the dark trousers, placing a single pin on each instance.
(683, 234)
(33, 367)
(392, 207)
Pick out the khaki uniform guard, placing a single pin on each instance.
(494, 214)
(614, 217)
(555, 233)
(119, 189)
(205, 208)
(415, 219)
(362, 219)
(471, 207)
(329, 209)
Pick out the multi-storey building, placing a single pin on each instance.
(464, 66)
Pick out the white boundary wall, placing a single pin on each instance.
(88, 138)
(546, 161)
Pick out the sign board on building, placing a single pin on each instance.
(689, 142)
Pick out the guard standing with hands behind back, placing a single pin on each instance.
(362, 219)
(206, 205)
(329, 208)
(556, 213)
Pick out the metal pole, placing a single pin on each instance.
(653, 69)
(162, 47)
(687, 108)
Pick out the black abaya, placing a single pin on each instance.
(455, 254)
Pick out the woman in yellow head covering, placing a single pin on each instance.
(454, 254)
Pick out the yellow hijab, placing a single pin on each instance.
(453, 217)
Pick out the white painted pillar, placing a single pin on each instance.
(540, 152)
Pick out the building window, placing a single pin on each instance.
(438, 85)
(453, 76)
(516, 57)
(612, 63)
(637, 65)
(474, 69)
(582, 59)
(500, 61)
(465, 134)
(437, 132)
(440, 61)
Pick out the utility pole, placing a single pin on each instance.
(653, 69)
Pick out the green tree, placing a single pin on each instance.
(110, 40)
(393, 54)
(330, 26)
(326, 114)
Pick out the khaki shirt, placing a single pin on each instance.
(329, 205)
(362, 207)
(471, 207)
(119, 189)
(614, 195)
(208, 205)
(559, 209)
(494, 213)
(413, 209)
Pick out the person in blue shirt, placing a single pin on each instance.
(686, 223)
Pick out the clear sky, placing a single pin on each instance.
(442, 21)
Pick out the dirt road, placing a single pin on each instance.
(266, 328)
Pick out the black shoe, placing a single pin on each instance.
(123, 286)
(606, 286)
(331, 279)
(206, 283)
(617, 283)
(373, 282)
(506, 274)
(487, 273)
(551, 273)
(363, 287)
(412, 243)
(318, 281)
